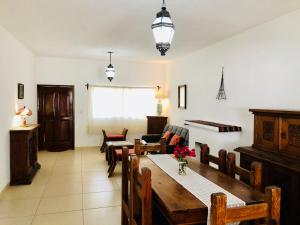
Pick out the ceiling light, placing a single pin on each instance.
(163, 30)
(110, 70)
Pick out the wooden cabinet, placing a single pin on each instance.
(156, 124)
(277, 131)
(23, 154)
(277, 146)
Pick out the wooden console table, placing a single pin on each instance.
(277, 146)
(23, 154)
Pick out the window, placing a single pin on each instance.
(114, 108)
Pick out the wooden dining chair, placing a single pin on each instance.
(269, 210)
(112, 137)
(141, 148)
(206, 158)
(253, 176)
(136, 200)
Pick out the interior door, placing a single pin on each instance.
(56, 117)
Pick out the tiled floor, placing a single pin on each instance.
(71, 188)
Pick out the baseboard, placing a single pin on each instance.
(3, 190)
(81, 147)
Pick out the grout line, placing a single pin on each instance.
(51, 170)
(51, 164)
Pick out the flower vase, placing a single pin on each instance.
(182, 166)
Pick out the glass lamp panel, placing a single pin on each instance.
(110, 72)
(162, 33)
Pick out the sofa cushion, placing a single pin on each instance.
(181, 131)
(115, 136)
(175, 140)
(167, 135)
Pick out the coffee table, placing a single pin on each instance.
(111, 156)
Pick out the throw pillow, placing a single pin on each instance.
(167, 135)
(175, 140)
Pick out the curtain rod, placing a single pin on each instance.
(110, 86)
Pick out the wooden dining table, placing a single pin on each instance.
(178, 206)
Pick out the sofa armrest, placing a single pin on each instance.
(151, 138)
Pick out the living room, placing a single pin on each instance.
(252, 48)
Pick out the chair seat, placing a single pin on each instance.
(115, 136)
(119, 153)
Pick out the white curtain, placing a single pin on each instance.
(115, 108)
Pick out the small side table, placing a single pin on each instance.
(111, 156)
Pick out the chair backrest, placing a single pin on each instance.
(206, 158)
(141, 194)
(136, 192)
(269, 209)
(124, 133)
(253, 176)
(104, 134)
(141, 148)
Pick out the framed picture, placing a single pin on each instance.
(182, 96)
(20, 91)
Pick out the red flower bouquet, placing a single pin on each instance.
(181, 152)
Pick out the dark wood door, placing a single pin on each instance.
(56, 117)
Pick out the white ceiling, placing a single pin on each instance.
(89, 28)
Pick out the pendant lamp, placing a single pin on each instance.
(163, 30)
(110, 70)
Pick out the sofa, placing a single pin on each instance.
(181, 131)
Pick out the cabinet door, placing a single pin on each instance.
(266, 132)
(290, 136)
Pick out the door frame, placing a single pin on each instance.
(73, 108)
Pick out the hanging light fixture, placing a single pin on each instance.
(163, 30)
(110, 70)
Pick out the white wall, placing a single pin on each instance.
(262, 70)
(16, 66)
(78, 72)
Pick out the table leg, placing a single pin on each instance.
(109, 154)
(106, 153)
(113, 163)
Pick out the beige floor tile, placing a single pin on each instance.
(40, 179)
(100, 186)
(65, 178)
(60, 204)
(103, 216)
(61, 189)
(66, 218)
(93, 176)
(101, 199)
(18, 208)
(23, 192)
(56, 195)
(17, 221)
(94, 166)
(67, 169)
